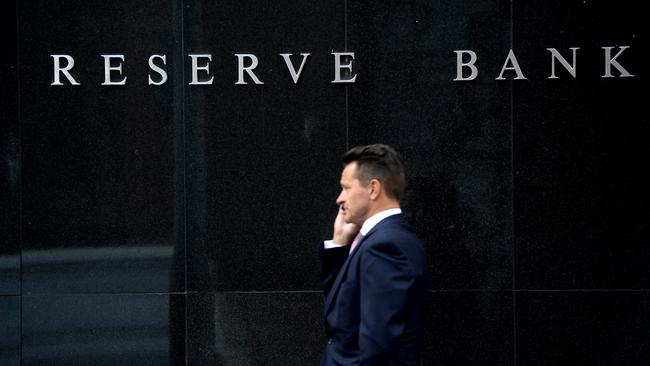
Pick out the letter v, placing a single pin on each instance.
(292, 70)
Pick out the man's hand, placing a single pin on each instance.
(344, 232)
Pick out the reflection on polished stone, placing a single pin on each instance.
(103, 330)
(99, 269)
(101, 207)
(10, 173)
(10, 274)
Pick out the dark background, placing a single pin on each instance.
(180, 224)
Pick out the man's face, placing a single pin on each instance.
(354, 197)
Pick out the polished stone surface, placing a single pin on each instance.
(255, 328)
(469, 328)
(275, 328)
(101, 173)
(581, 149)
(10, 330)
(137, 329)
(9, 160)
(583, 328)
(515, 186)
(454, 136)
(263, 161)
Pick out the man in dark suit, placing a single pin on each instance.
(374, 268)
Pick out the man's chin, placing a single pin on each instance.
(350, 220)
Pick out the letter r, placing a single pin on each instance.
(65, 70)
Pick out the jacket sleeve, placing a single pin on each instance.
(386, 280)
(331, 262)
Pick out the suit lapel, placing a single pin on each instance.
(337, 282)
(344, 269)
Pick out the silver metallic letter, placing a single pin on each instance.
(159, 70)
(515, 66)
(338, 67)
(609, 61)
(65, 70)
(470, 64)
(292, 70)
(196, 68)
(556, 56)
(108, 68)
(249, 69)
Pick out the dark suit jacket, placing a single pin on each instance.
(375, 298)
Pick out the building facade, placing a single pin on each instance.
(171, 167)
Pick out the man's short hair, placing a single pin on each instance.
(381, 162)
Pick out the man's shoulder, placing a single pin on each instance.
(392, 231)
(396, 243)
(392, 225)
(393, 234)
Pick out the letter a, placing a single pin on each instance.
(515, 66)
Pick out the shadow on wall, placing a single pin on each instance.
(436, 215)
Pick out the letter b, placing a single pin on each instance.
(460, 64)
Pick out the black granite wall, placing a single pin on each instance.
(180, 224)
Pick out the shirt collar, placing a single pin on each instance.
(376, 218)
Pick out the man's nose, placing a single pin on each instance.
(340, 199)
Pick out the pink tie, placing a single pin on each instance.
(355, 242)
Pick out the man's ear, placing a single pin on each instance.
(375, 189)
